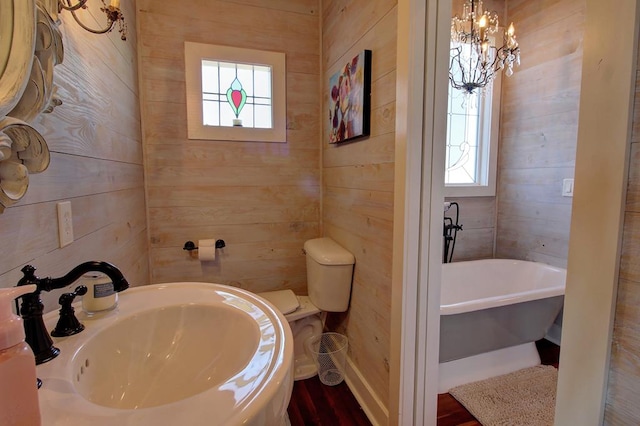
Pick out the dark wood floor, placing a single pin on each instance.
(315, 404)
(452, 413)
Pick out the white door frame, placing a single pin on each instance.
(602, 163)
(609, 62)
(421, 93)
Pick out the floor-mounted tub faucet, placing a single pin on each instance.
(32, 307)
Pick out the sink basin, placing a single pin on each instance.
(170, 353)
(178, 353)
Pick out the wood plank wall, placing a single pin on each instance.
(478, 219)
(263, 199)
(623, 390)
(538, 133)
(358, 184)
(96, 163)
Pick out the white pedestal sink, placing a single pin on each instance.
(172, 354)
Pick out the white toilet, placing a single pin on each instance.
(329, 275)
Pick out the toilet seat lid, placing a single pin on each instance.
(285, 300)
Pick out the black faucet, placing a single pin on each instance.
(32, 307)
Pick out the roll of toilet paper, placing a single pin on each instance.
(207, 250)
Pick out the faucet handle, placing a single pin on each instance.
(68, 324)
(29, 271)
(28, 276)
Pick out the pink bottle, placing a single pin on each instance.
(18, 387)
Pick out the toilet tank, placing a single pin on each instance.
(329, 274)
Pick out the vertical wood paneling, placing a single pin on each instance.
(623, 392)
(538, 131)
(96, 163)
(263, 199)
(358, 182)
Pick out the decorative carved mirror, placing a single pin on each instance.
(30, 46)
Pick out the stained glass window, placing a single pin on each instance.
(236, 95)
(463, 134)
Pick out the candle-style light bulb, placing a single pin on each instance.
(482, 24)
(115, 4)
(511, 38)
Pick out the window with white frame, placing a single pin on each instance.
(472, 141)
(235, 94)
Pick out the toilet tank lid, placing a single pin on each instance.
(325, 251)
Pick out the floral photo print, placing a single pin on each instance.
(350, 99)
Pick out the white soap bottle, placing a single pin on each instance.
(18, 388)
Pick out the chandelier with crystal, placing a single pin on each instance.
(475, 60)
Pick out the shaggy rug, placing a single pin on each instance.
(525, 397)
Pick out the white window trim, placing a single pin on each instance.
(491, 134)
(194, 53)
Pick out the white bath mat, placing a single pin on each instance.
(525, 397)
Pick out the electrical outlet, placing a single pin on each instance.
(65, 223)
(567, 187)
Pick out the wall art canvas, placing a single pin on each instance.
(350, 99)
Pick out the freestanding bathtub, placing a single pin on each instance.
(491, 313)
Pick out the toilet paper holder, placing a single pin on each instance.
(190, 245)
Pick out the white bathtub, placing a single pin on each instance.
(491, 313)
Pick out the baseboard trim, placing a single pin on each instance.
(371, 404)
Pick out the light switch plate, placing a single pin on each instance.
(567, 187)
(65, 223)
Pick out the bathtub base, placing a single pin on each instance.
(489, 364)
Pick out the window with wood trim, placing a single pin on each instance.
(235, 94)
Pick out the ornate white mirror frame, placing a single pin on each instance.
(30, 46)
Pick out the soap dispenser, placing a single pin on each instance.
(18, 382)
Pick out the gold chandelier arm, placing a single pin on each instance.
(68, 6)
(91, 30)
